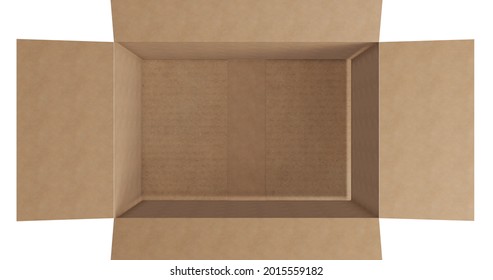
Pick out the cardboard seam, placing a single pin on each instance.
(361, 51)
(242, 197)
(142, 129)
(374, 215)
(228, 119)
(114, 130)
(131, 205)
(266, 193)
(348, 130)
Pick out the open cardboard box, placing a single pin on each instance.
(245, 129)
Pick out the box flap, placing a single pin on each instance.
(246, 238)
(246, 20)
(427, 130)
(64, 130)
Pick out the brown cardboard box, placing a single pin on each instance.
(245, 129)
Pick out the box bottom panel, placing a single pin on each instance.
(229, 129)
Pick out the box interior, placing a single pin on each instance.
(246, 130)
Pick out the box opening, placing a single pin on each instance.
(246, 129)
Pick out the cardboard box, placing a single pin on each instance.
(245, 129)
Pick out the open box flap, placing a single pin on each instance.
(64, 130)
(427, 130)
(246, 238)
(246, 20)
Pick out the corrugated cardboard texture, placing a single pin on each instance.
(255, 50)
(364, 129)
(64, 130)
(427, 130)
(246, 20)
(244, 129)
(185, 128)
(269, 238)
(306, 128)
(128, 119)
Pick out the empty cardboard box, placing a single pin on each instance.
(245, 129)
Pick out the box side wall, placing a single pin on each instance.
(427, 130)
(246, 209)
(236, 50)
(64, 130)
(364, 129)
(246, 20)
(128, 129)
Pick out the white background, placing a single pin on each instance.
(412, 249)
